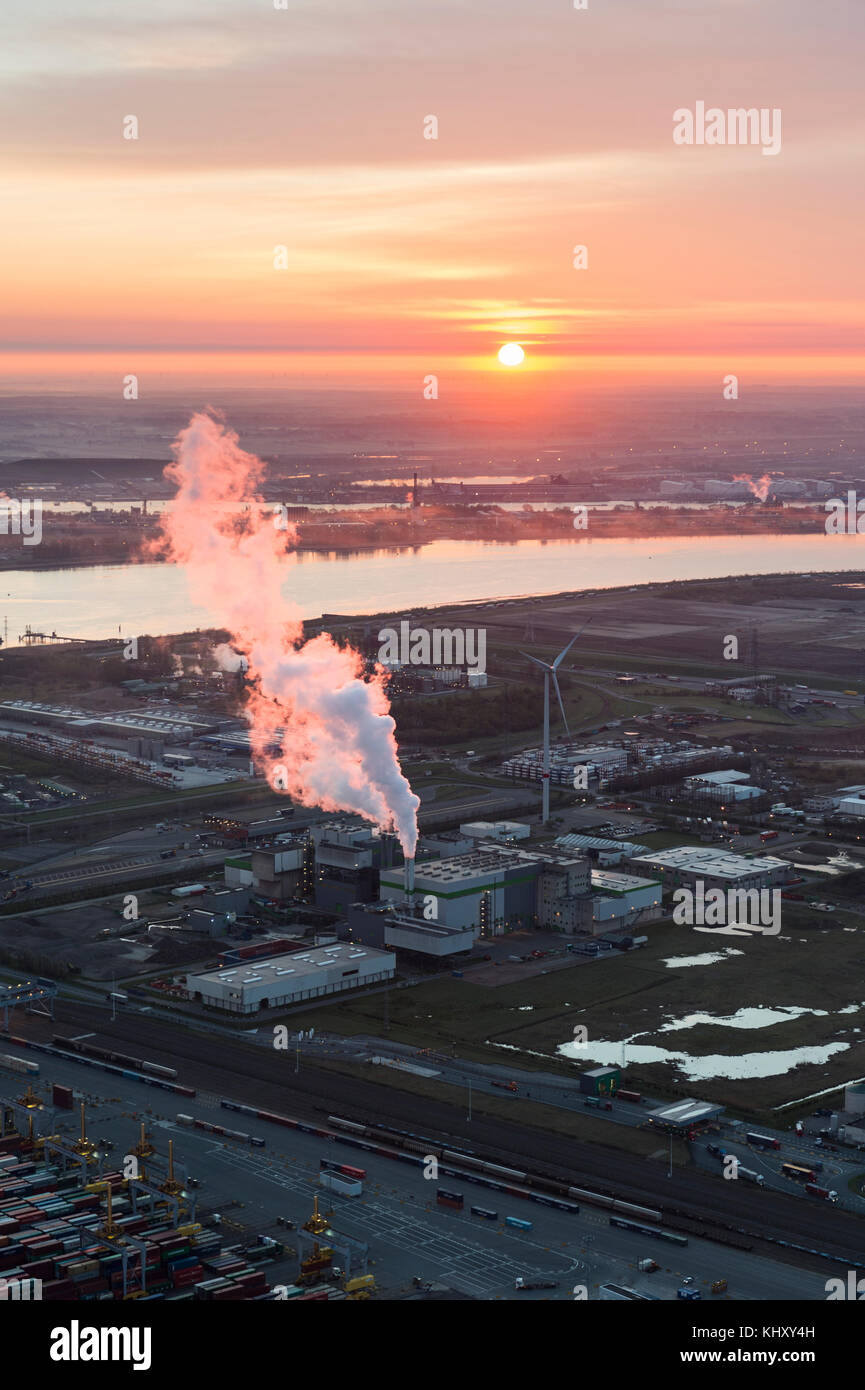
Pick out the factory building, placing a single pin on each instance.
(602, 761)
(687, 865)
(277, 872)
(444, 844)
(620, 897)
(489, 889)
(563, 899)
(290, 979)
(348, 854)
(383, 925)
(502, 830)
(598, 850)
(851, 801)
(149, 723)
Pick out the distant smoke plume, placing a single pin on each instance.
(339, 750)
(760, 490)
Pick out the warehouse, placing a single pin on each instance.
(503, 830)
(288, 979)
(690, 864)
(599, 850)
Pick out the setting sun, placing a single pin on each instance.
(511, 355)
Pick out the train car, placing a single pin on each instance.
(518, 1223)
(671, 1237)
(168, 1072)
(344, 1168)
(559, 1202)
(19, 1064)
(485, 1212)
(449, 1199)
(350, 1125)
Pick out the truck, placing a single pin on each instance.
(824, 1193)
(762, 1141)
(648, 1266)
(749, 1175)
(360, 1287)
(188, 890)
(505, 1085)
(335, 1182)
(524, 1285)
(633, 1096)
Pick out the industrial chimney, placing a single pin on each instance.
(408, 879)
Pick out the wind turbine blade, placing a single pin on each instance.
(543, 664)
(562, 654)
(561, 706)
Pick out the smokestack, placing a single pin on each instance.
(408, 879)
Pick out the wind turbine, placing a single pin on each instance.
(551, 669)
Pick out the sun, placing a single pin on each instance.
(511, 355)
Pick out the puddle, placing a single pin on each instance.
(742, 1018)
(749, 1067)
(707, 958)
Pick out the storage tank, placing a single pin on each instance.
(854, 1098)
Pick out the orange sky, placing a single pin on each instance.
(304, 129)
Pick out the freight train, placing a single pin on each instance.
(19, 1064)
(454, 1162)
(75, 1054)
(120, 1059)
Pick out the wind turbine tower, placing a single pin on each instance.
(550, 670)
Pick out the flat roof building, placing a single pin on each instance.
(616, 896)
(288, 979)
(688, 864)
(496, 830)
(488, 889)
(684, 1114)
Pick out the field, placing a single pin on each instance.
(624, 996)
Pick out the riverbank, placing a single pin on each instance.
(80, 541)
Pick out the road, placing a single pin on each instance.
(397, 1217)
(267, 1078)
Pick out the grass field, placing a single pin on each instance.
(820, 969)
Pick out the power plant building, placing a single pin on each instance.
(347, 859)
(490, 887)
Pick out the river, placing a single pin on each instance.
(134, 600)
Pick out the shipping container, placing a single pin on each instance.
(335, 1182)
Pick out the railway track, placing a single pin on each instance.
(251, 1074)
